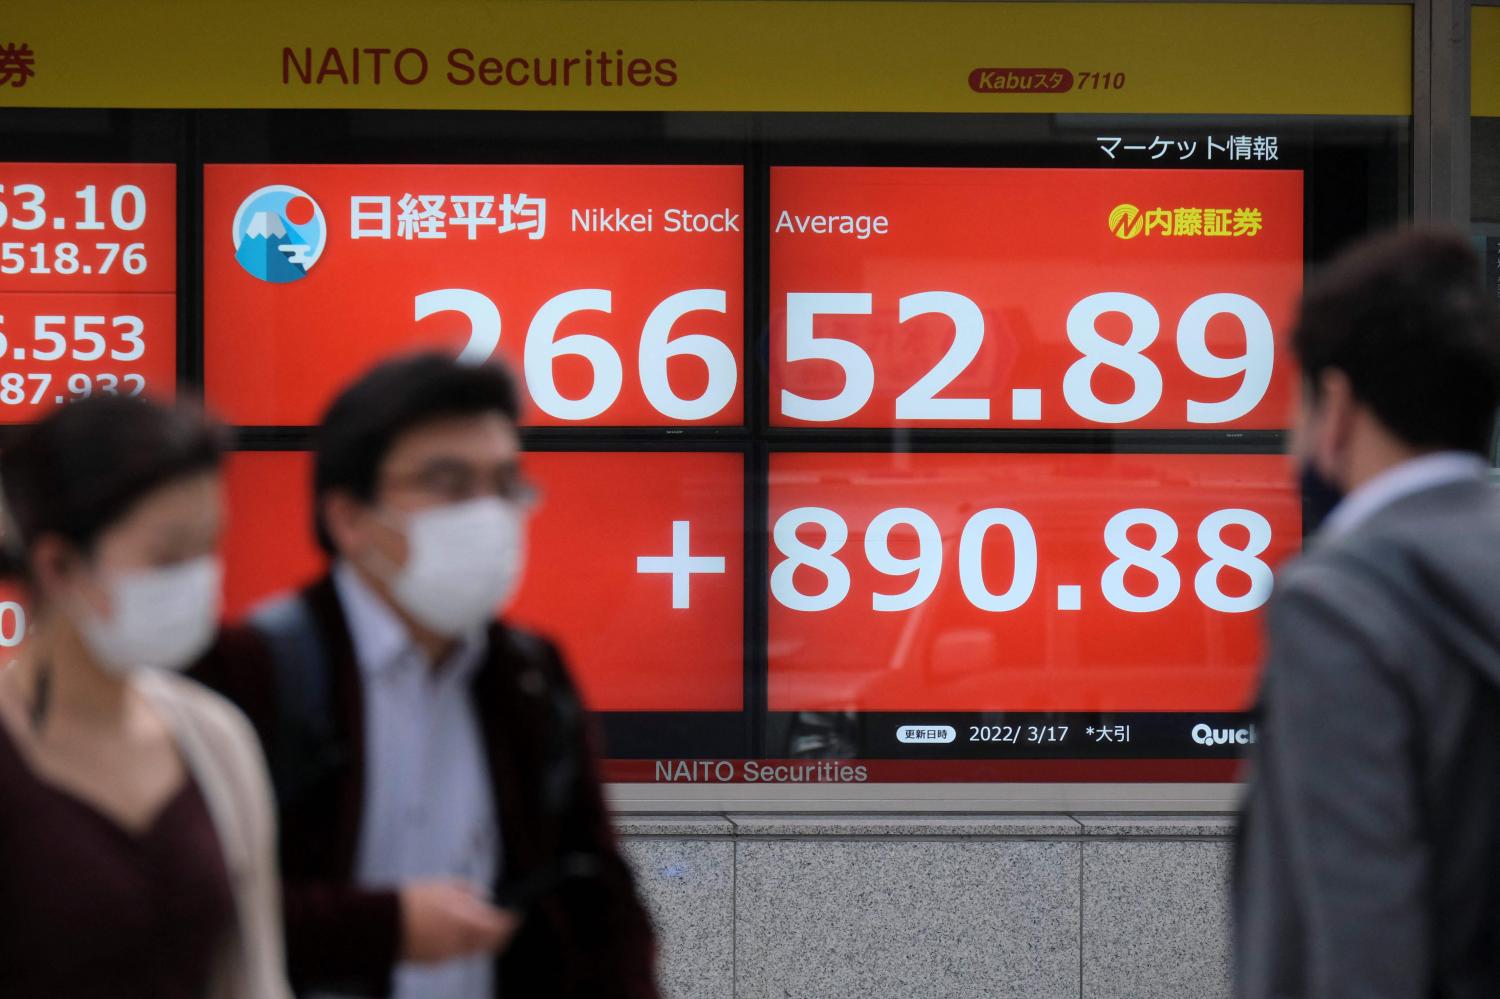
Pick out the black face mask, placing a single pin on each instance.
(1319, 496)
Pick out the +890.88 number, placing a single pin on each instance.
(927, 565)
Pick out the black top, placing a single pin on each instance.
(90, 909)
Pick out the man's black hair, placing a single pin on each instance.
(390, 400)
(1405, 316)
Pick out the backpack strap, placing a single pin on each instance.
(561, 767)
(304, 749)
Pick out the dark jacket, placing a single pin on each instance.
(1369, 853)
(590, 938)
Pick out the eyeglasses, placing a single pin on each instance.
(455, 481)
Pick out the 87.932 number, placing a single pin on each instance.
(36, 389)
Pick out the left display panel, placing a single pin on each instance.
(615, 291)
(88, 283)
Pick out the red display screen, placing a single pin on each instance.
(871, 447)
(1029, 298)
(615, 292)
(636, 567)
(1022, 582)
(88, 283)
(941, 590)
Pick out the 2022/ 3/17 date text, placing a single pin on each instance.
(1017, 734)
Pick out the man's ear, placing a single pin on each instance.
(1337, 408)
(344, 518)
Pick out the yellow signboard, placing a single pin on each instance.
(1484, 62)
(710, 55)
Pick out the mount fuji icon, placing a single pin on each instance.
(261, 251)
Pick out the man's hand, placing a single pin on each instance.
(442, 920)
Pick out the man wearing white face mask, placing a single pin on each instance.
(444, 835)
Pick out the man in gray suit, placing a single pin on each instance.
(1369, 855)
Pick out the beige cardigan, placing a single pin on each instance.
(225, 759)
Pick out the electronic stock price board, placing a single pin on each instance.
(903, 525)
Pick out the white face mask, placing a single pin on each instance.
(160, 618)
(463, 562)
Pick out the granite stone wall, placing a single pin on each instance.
(913, 906)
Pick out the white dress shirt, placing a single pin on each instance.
(1399, 481)
(428, 807)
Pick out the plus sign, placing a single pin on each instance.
(680, 565)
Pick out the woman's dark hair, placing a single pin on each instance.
(84, 466)
(391, 399)
(1405, 315)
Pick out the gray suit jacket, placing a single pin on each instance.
(1369, 856)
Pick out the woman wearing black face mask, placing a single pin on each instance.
(136, 838)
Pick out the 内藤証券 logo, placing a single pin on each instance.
(1127, 221)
